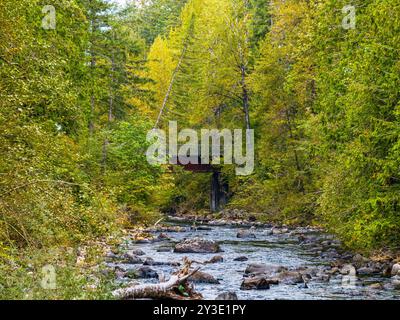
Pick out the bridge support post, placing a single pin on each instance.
(215, 187)
(219, 191)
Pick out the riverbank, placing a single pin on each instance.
(57, 273)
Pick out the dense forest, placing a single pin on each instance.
(79, 94)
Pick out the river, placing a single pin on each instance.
(283, 249)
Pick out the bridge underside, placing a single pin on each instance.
(219, 189)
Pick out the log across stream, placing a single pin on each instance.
(311, 264)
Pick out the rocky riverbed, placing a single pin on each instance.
(251, 260)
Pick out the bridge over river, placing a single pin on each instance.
(218, 188)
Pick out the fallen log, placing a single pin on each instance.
(164, 290)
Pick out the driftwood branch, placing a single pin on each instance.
(163, 290)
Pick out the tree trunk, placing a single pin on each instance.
(92, 99)
(171, 83)
(245, 97)
(160, 290)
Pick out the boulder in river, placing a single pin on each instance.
(290, 277)
(164, 249)
(202, 277)
(227, 296)
(163, 236)
(245, 234)
(150, 262)
(395, 269)
(215, 259)
(257, 283)
(137, 252)
(201, 228)
(396, 282)
(263, 269)
(366, 271)
(197, 245)
(131, 258)
(359, 261)
(280, 230)
(376, 286)
(146, 272)
(241, 258)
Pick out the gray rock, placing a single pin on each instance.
(359, 261)
(245, 234)
(227, 296)
(150, 262)
(197, 245)
(220, 222)
(202, 277)
(241, 258)
(263, 269)
(348, 269)
(257, 283)
(137, 252)
(202, 228)
(163, 236)
(111, 255)
(366, 271)
(280, 230)
(290, 277)
(376, 286)
(146, 272)
(119, 272)
(395, 269)
(396, 282)
(215, 259)
(332, 271)
(164, 249)
(130, 258)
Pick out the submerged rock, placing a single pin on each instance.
(150, 262)
(197, 245)
(227, 296)
(241, 258)
(201, 228)
(164, 249)
(245, 234)
(215, 259)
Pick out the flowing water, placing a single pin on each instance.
(279, 249)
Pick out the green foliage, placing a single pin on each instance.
(76, 104)
(323, 100)
(130, 177)
(358, 121)
(65, 100)
(21, 278)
